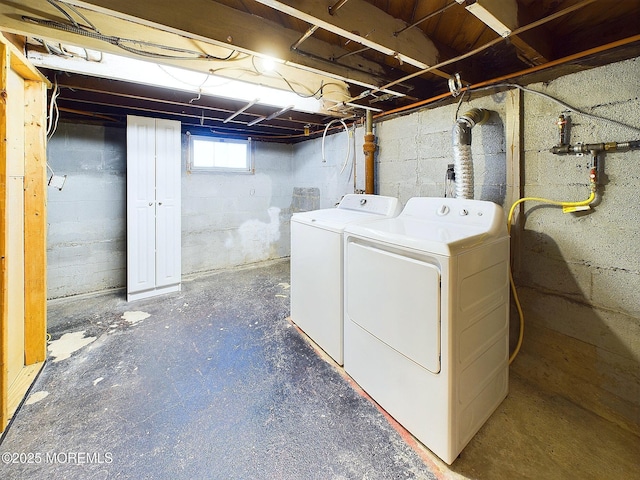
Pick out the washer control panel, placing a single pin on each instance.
(388, 206)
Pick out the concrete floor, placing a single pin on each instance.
(215, 383)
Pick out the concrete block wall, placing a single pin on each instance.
(579, 274)
(227, 219)
(414, 151)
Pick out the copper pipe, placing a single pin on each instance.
(479, 49)
(369, 148)
(537, 68)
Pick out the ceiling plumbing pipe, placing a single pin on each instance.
(369, 148)
(462, 159)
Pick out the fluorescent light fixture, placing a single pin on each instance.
(149, 73)
(268, 64)
(499, 15)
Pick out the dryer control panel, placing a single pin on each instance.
(488, 216)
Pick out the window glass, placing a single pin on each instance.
(218, 154)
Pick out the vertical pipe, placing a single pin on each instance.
(369, 148)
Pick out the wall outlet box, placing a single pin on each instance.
(57, 181)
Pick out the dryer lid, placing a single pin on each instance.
(438, 225)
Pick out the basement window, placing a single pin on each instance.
(213, 154)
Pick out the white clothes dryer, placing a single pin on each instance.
(426, 317)
(317, 265)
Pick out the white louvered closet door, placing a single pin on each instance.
(153, 207)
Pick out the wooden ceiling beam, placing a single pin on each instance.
(533, 47)
(361, 22)
(505, 16)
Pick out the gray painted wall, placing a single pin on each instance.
(228, 219)
(310, 171)
(86, 237)
(234, 219)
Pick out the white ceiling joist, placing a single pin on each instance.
(499, 15)
(361, 22)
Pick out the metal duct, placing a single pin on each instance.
(462, 159)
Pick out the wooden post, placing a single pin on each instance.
(513, 129)
(4, 304)
(35, 223)
(22, 282)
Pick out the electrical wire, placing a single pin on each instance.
(475, 51)
(54, 113)
(449, 186)
(459, 104)
(564, 105)
(346, 160)
(282, 77)
(324, 136)
(122, 43)
(64, 12)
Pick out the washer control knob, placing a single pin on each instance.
(443, 210)
(363, 201)
(464, 212)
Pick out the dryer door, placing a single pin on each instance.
(397, 300)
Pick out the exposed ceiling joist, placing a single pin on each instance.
(332, 58)
(238, 31)
(363, 23)
(239, 66)
(505, 16)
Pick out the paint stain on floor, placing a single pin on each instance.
(135, 316)
(68, 343)
(36, 397)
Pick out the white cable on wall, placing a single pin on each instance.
(346, 130)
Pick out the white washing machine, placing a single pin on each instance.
(317, 265)
(426, 317)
